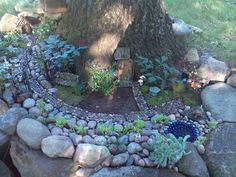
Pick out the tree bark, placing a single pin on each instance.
(142, 25)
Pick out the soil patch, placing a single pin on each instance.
(121, 101)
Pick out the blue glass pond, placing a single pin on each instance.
(183, 128)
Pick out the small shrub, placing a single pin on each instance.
(157, 71)
(102, 80)
(144, 89)
(12, 39)
(134, 127)
(201, 140)
(118, 129)
(160, 119)
(80, 129)
(61, 122)
(167, 150)
(44, 29)
(41, 105)
(104, 129)
(59, 55)
(212, 124)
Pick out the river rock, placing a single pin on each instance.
(232, 80)
(32, 132)
(219, 99)
(58, 146)
(134, 148)
(31, 163)
(192, 164)
(29, 103)
(89, 155)
(9, 120)
(100, 140)
(4, 140)
(3, 107)
(120, 159)
(133, 171)
(4, 170)
(220, 152)
(211, 69)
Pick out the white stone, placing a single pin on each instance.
(89, 155)
(58, 146)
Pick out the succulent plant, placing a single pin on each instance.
(167, 149)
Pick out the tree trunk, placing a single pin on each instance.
(142, 25)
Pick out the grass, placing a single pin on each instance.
(217, 18)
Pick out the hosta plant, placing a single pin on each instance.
(167, 149)
(59, 55)
(157, 71)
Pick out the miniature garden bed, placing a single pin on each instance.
(121, 101)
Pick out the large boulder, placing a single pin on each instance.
(192, 164)
(8, 23)
(191, 60)
(58, 146)
(133, 171)
(4, 170)
(32, 163)
(220, 155)
(32, 132)
(9, 120)
(3, 107)
(220, 100)
(4, 140)
(89, 155)
(211, 69)
(232, 80)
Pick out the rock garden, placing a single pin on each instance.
(62, 115)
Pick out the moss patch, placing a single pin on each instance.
(191, 98)
(69, 95)
(162, 97)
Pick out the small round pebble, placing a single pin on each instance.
(29, 103)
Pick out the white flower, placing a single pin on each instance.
(140, 81)
(142, 77)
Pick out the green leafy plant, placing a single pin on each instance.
(58, 55)
(102, 80)
(157, 71)
(10, 43)
(104, 129)
(41, 105)
(212, 124)
(167, 149)
(201, 140)
(139, 124)
(119, 129)
(144, 89)
(161, 119)
(44, 29)
(61, 122)
(136, 126)
(80, 129)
